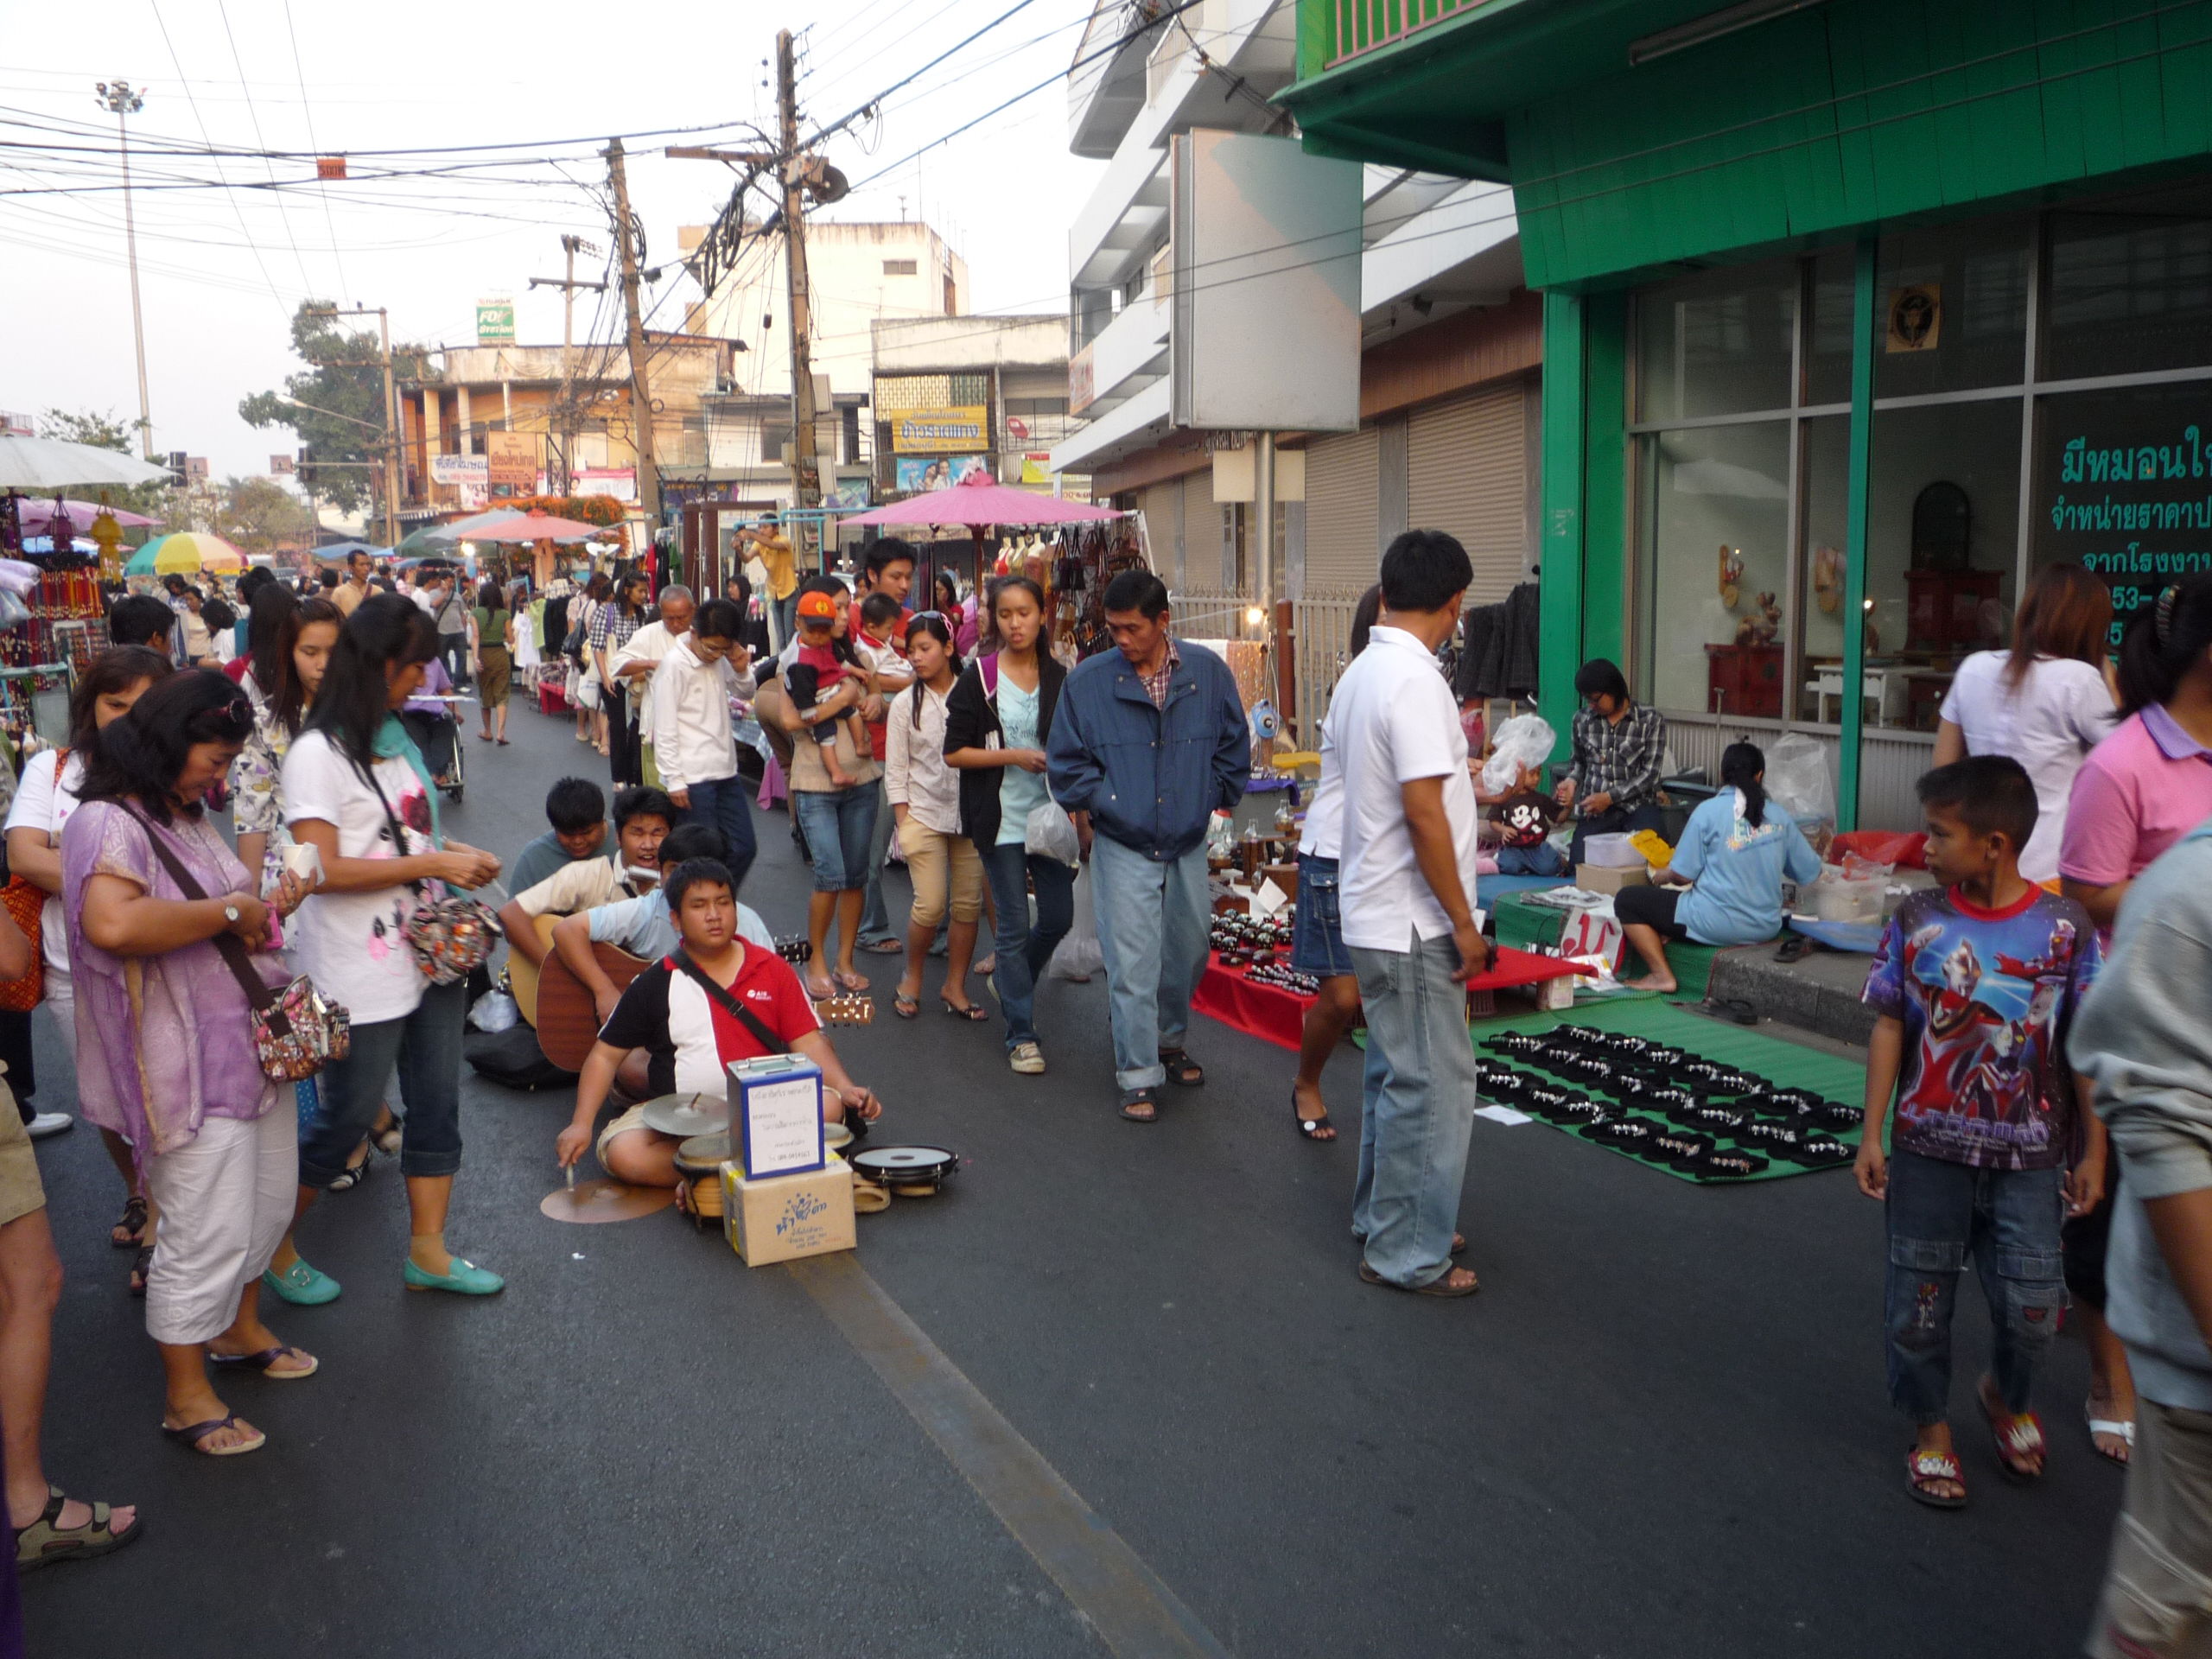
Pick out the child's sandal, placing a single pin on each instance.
(2020, 1439)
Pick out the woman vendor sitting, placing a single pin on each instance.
(1735, 852)
(690, 1034)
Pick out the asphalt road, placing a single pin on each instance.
(1659, 1430)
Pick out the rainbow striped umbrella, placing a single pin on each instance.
(181, 554)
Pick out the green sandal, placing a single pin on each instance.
(46, 1541)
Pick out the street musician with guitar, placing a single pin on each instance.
(643, 818)
(715, 998)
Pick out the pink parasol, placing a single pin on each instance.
(36, 516)
(977, 501)
(539, 527)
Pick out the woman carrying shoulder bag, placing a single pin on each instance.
(997, 721)
(166, 1053)
(358, 791)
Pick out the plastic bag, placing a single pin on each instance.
(1080, 955)
(1049, 832)
(494, 1011)
(1885, 847)
(1523, 740)
(1798, 780)
(13, 612)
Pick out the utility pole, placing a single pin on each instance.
(391, 411)
(806, 477)
(571, 246)
(641, 397)
(117, 99)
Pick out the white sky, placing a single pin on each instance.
(222, 270)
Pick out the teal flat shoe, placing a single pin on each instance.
(302, 1285)
(465, 1279)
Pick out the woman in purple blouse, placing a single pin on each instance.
(165, 1042)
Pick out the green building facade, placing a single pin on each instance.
(1858, 313)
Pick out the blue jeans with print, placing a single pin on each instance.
(1542, 859)
(1023, 950)
(1152, 932)
(720, 802)
(2009, 1219)
(837, 823)
(1417, 1110)
(426, 1046)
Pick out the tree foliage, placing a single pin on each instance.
(343, 385)
(102, 429)
(258, 515)
(603, 510)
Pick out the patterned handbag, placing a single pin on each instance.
(295, 1033)
(451, 937)
(27, 904)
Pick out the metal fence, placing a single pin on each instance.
(1319, 643)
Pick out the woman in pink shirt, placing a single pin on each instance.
(2140, 790)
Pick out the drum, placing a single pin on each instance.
(911, 1172)
(686, 1116)
(704, 1154)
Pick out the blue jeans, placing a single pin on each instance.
(426, 1046)
(1417, 1110)
(720, 802)
(786, 611)
(875, 921)
(2009, 1219)
(1317, 929)
(1152, 932)
(1542, 859)
(837, 823)
(1023, 950)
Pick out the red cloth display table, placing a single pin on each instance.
(1277, 1016)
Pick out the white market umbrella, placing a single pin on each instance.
(51, 464)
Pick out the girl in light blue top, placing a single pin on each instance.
(1726, 875)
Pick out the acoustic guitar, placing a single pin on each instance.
(568, 1018)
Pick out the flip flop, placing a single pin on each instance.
(191, 1434)
(1921, 1468)
(2018, 1437)
(851, 982)
(267, 1358)
(2113, 1428)
(905, 1007)
(827, 989)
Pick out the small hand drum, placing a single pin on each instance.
(911, 1172)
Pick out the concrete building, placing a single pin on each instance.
(474, 392)
(951, 393)
(1450, 346)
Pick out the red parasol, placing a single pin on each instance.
(539, 527)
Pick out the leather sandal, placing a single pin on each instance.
(46, 1541)
(1439, 1286)
(1182, 1071)
(1140, 1106)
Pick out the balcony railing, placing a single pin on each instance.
(1361, 26)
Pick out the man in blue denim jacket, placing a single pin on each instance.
(1149, 741)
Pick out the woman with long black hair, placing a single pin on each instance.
(358, 791)
(1726, 878)
(611, 629)
(149, 887)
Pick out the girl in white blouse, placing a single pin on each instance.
(924, 797)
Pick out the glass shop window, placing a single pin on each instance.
(1717, 343)
(1715, 526)
(1943, 545)
(1828, 340)
(2131, 286)
(2123, 484)
(1954, 309)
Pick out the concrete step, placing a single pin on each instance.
(1818, 994)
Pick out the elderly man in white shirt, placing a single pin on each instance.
(1407, 873)
(694, 744)
(636, 663)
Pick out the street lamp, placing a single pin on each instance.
(120, 100)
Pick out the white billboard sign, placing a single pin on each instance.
(1266, 286)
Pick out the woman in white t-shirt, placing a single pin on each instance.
(357, 790)
(2046, 703)
(45, 798)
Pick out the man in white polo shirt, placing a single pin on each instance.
(1407, 874)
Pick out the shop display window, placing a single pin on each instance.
(2130, 286)
(1718, 343)
(1954, 309)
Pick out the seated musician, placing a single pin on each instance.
(643, 818)
(687, 1037)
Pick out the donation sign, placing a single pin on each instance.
(776, 1112)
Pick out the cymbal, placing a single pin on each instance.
(685, 1115)
(589, 1202)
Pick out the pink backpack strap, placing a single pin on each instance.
(988, 665)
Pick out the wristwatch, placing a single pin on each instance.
(231, 914)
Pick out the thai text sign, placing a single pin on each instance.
(2125, 487)
(941, 431)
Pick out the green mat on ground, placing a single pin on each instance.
(1785, 1065)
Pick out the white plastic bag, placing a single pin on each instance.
(1049, 832)
(1079, 955)
(1523, 740)
(494, 1011)
(1797, 779)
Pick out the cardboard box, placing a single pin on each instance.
(1598, 878)
(786, 1217)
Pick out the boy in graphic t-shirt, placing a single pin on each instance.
(1524, 820)
(1976, 982)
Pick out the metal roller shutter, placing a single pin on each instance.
(1341, 550)
(1201, 532)
(1466, 473)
